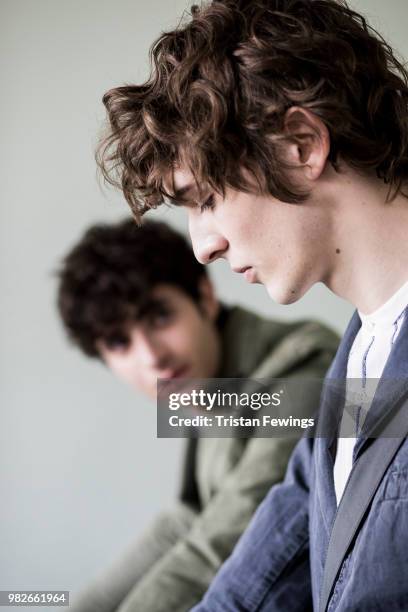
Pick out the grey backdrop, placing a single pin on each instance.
(81, 470)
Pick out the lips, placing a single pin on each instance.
(176, 373)
(248, 272)
(174, 380)
(250, 275)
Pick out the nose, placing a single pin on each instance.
(149, 351)
(208, 243)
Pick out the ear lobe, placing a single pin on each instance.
(208, 300)
(309, 141)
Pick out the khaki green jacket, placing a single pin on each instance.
(232, 475)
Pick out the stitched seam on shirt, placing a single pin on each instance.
(364, 381)
(364, 364)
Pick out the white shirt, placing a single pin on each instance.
(367, 358)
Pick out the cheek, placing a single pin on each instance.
(185, 338)
(180, 338)
(287, 242)
(125, 370)
(249, 228)
(234, 224)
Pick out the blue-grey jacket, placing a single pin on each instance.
(302, 552)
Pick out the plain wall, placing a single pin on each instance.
(81, 471)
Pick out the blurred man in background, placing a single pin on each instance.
(137, 299)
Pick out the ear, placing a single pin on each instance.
(309, 142)
(208, 300)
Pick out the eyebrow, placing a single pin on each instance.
(151, 305)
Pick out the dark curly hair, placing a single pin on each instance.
(221, 83)
(106, 280)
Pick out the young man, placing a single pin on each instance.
(137, 299)
(282, 126)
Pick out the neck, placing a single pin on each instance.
(369, 260)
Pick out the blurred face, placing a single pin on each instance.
(174, 339)
(283, 246)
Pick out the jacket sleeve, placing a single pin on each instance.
(181, 577)
(106, 592)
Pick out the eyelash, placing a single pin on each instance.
(208, 204)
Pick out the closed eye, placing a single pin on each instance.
(208, 204)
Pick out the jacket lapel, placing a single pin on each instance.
(364, 480)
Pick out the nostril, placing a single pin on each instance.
(210, 249)
(218, 252)
(213, 256)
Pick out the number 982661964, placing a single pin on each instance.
(34, 598)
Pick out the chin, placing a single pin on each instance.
(283, 295)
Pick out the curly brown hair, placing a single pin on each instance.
(107, 278)
(222, 82)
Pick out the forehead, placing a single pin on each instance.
(182, 178)
(167, 292)
(167, 295)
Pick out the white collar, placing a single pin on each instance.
(387, 314)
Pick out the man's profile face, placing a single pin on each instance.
(283, 246)
(175, 338)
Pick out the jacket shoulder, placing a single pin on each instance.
(270, 347)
